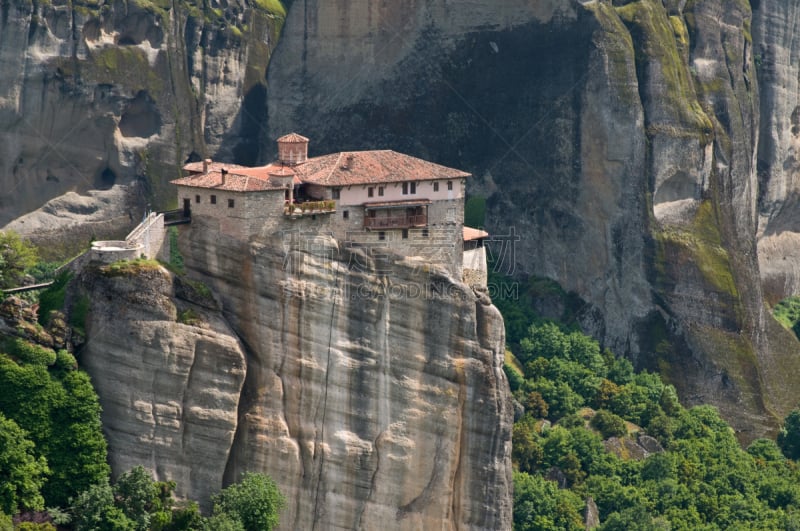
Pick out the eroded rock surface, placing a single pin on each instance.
(98, 94)
(169, 391)
(616, 144)
(374, 392)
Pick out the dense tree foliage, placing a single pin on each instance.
(575, 396)
(255, 502)
(137, 503)
(21, 472)
(16, 256)
(789, 436)
(58, 408)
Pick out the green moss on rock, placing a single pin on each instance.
(702, 244)
(658, 40)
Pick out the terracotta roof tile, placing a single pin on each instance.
(197, 167)
(473, 234)
(337, 169)
(293, 138)
(233, 182)
(368, 167)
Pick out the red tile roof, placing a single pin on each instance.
(369, 167)
(337, 169)
(233, 182)
(473, 234)
(293, 138)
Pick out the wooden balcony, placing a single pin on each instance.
(401, 221)
(309, 208)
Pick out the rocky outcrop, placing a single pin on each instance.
(778, 161)
(372, 387)
(639, 153)
(168, 373)
(616, 143)
(94, 95)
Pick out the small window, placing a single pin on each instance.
(380, 191)
(345, 214)
(197, 199)
(336, 193)
(425, 233)
(213, 199)
(230, 203)
(405, 234)
(371, 191)
(381, 235)
(449, 185)
(405, 188)
(372, 213)
(436, 186)
(413, 188)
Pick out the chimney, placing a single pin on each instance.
(206, 164)
(224, 174)
(348, 162)
(292, 149)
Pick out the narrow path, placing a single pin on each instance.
(28, 288)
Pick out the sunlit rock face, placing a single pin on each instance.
(616, 144)
(372, 387)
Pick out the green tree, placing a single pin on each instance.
(789, 436)
(222, 522)
(94, 510)
(16, 256)
(60, 411)
(255, 501)
(22, 474)
(545, 341)
(608, 424)
(539, 505)
(526, 449)
(136, 494)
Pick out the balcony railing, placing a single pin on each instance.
(309, 208)
(396, 222)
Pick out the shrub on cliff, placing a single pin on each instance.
(22, 474)
(255, 501)
(60, 411)
(16, 256)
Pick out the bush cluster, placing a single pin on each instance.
(703, 479)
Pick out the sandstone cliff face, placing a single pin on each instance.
(618, 141)
(372, 387)
(169, 391)
(101, 94)
(778, 163)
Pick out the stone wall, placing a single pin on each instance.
(150, 237)
(475, 270)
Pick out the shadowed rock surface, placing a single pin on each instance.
(617, 142)
(643, 152)
(97, 94)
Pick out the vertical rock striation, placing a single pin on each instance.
(169, 390)
(375, 393)
(372, 387)
(617, 140)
